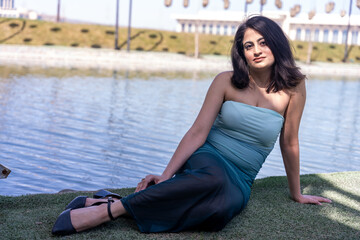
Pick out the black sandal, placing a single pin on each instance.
(63, 224)
(104, 194)
(110, 201)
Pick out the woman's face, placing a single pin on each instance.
(258, 55)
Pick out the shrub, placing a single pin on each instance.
(181, 52)
(329, 59)
(48, 44)
(217, 53)
(110, 32)
(332, 46)
(74, 44)
(27, 39)
(315, 47)
(84, 30)
(96, 46)
(13, 25)
(173, 37)
(152, 35)
(299, 46)
(55, 29)
(357, 58)
(213, 42)
(165, 49)
(139, 49)
(33, 26)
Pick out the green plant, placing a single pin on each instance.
(152, 35)
(84, 30)
(27, 39)
(33, 26)
(173, 37)
(55, 29)
(96, 46)
(13, 25)
(74, 44)
(48, 44)
(299, 46)
(110, 32)
(213, 42)
(139, 49)
(165, 49)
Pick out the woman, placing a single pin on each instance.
(217, 160)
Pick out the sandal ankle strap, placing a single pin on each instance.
(110, 200)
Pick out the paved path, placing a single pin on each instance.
(66, 57)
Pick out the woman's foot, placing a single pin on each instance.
(84, 201)
(77, 220)
(92, 201)
(86, 218)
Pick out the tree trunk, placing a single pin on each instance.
(196, 50)
(308, 59)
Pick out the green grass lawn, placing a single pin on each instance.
(41, 33)
(270, 214)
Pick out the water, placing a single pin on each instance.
(86, 130)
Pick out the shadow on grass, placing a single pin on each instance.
(278, 217)
(14, 34)
(270, 214)
(131, 38)
(157, 43)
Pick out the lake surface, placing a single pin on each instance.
(86, 130)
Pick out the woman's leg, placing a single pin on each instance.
(89, 217)
(201, 196)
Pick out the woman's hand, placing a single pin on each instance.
(149, 180)
(309, 199)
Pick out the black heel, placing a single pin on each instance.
(110, 200)
(78, 202)
(104, 194)
(63, 225)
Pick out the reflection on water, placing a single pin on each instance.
(92, 129)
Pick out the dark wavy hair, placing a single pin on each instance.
(284, 74)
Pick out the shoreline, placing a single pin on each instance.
(68, 190)
(269, 203)
(89, 58)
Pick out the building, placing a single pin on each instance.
(326, 28)
(7, 4)
(8, 10)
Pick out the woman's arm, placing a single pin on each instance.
(197, 134)
(289, 144)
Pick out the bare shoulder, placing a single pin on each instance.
(223, 79)
(299, 90)
(297, 101)
(224, 76)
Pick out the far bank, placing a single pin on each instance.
(90, 58)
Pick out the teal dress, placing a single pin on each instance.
(215, 182)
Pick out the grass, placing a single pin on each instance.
(40, 33)
(270, 214)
